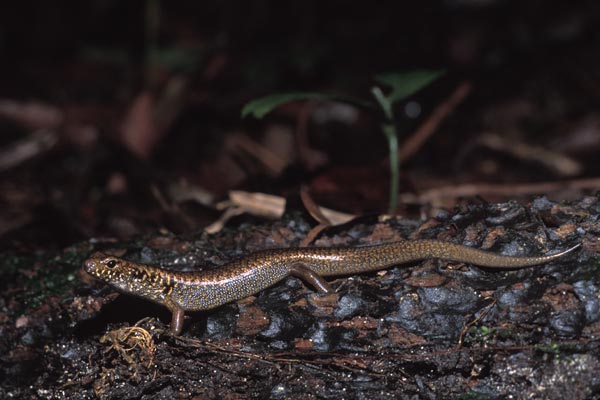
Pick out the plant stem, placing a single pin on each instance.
(390, 133)
(389, 130)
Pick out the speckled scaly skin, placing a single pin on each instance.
(192, 291)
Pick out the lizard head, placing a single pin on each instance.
(118, 273)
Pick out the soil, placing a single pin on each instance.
(431, 329)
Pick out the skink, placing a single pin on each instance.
(194, 291)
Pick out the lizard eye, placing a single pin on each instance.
(111, 264)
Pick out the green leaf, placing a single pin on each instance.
(407, 83)
(264, 105)
(175, 58)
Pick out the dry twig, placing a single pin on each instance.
(557, 162)
(315, 211)
(264, 205)
(444, 193)
(431, 124)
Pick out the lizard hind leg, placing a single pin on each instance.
(308, 275)
(177, 319)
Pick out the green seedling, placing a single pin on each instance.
(553, 350)
(401, 86)
(157, 58)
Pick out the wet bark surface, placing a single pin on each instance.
(431, 329)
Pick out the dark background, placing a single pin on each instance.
(103, 70)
